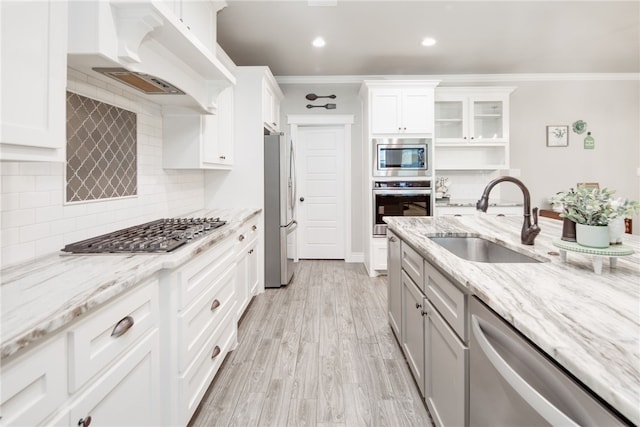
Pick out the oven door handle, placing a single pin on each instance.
(402, 192)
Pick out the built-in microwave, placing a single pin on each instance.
(404, 157)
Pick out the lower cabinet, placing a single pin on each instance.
(247, 272)
(103, 370)
(433, 336)
(412, 329)
(147, 357)
(446, 372)
(394, 285)
(127, 394)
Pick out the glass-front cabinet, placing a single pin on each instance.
(472, 114)
(472, 127)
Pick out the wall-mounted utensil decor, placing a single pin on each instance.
(313, 96)
(327, 106)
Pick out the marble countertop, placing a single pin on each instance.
(472, 203)
(588, 323)
(42, 296)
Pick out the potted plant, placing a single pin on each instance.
(591, 210)
(620, 209)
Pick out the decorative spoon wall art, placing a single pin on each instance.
(313, 96)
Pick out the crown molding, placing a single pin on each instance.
(466, 78)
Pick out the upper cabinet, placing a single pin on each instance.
(271, 98)
(34, 80)
(472, 127)
(172, 41)
(200, 141)
(402, 110)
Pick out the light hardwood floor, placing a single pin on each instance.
(318, 352)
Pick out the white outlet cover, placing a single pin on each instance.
(514, 172)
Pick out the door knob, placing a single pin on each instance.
(302, 199)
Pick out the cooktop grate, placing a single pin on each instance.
(162, 235)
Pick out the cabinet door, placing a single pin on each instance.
(413, 329)
(450, 121)
(394, 278)
(446, 372)
(385, 111)
(35, 385)
(488, 118)
(128, 393)
(269, 106)
(253, 279)
(224, 132)
(417, 111)
(242, 279)
(34, 80)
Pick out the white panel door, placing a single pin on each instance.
(321, 203)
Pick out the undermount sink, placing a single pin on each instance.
(478, 249)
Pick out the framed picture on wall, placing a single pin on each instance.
(557, 136)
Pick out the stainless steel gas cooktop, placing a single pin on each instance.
(162, 235)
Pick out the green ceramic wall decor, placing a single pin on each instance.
(579, 126)
(589, 142)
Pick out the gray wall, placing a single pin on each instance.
(611, 109)
(347, 102)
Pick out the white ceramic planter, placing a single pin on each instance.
(616, 230)
(593, 236)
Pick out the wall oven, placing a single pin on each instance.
(400, 198)
(402, 157)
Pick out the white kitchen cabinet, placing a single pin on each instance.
(34, 385)
(379, 253)
(402, 110)
(394, 283)
(446, 371)
(200, 141)
(412, 329)
(472, 128)
(247, 277)
(199, 300)
(271, 98)
(126, 394)
(105, 366)
(34, 80)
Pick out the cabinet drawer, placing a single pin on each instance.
(94, 343)
(248, 232)
(34, 385)
(448, 299)
(413, 263)
(197, 275)
(127, 394)
(198, 321)
(196, 380)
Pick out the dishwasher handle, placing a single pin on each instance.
(538, 402)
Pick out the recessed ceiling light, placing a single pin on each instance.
(428, 41)
(318, 42)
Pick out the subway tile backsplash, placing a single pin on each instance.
(35, 218)
(101, 150)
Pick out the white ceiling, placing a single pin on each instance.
(474, 37)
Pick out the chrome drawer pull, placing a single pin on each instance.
(85, 422)
(215, 304)
(121, 327)
(216, 352)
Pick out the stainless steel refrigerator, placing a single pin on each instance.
(279, 210)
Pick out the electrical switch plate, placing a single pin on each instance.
(514, 172)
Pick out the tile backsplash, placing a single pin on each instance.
(101, 150)
(35, 220)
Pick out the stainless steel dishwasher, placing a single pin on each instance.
(512, 383)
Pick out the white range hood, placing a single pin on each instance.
(148, 40)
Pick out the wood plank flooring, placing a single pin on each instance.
(319, 353)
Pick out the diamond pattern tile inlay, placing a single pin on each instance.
(101, 150)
